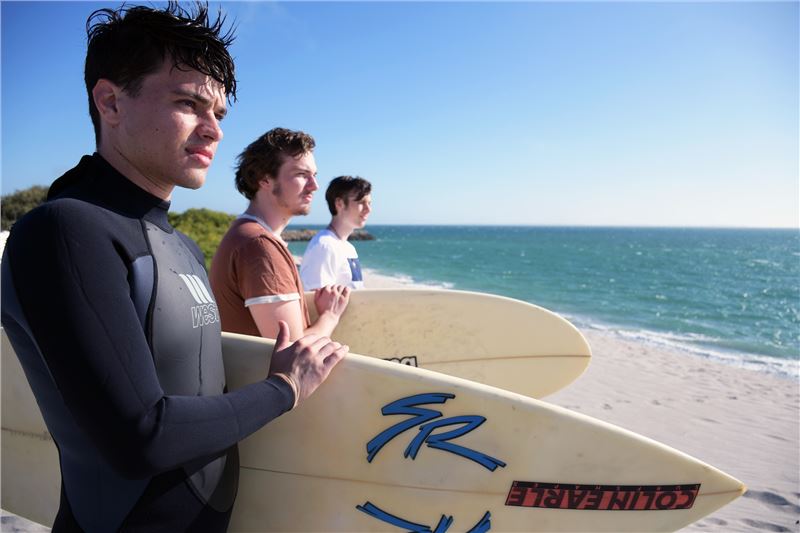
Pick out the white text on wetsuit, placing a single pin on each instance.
(203, 315)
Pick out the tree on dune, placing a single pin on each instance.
(205, 226)
(19, 202)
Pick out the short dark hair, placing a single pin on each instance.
(344, 187)
(265, 156)
(127, 44)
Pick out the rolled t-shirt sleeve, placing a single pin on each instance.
(264, 274)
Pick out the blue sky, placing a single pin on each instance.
(636, 114)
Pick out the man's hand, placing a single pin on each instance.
(306, 363)
(332, 299)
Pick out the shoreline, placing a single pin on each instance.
(788, 369)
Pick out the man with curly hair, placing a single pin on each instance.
(253, 274)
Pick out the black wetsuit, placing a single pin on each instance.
(109, 311)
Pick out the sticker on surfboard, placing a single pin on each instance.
(430, 420)
(408, 360)
(602, 497)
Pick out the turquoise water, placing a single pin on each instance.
(722, 293)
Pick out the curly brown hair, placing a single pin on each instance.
(265, 156)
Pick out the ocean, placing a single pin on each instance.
(726, 294)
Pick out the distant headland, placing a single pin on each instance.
(293, 235)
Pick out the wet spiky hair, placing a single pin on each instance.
(129, 43)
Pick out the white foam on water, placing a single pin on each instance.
(696, 344)
(402, 280)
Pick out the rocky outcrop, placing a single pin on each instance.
(361, 235)
(307, 234)
(293, 235)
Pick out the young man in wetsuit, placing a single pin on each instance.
(109, 308)
(253, 274)
(329, 257)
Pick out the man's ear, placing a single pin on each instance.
(106, 99)
(340, 205)
(266, 181)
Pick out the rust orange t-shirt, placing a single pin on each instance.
(253, 266)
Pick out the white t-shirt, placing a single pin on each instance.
(330, 261)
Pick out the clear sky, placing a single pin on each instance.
(656, 114)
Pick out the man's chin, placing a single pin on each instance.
(192, 182)
(196, 185)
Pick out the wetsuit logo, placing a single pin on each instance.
(206, 311)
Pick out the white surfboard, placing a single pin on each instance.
(490, 339)
(387, 447)
(384, 447)
(30, 476)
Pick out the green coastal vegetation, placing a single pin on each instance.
(205, 226)
(18, 203)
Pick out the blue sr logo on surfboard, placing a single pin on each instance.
(483, 525)
(429, 420)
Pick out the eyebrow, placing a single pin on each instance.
(305, 169)
(202, 99)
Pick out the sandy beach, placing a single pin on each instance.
(740, 421)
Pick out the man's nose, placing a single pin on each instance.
(210, 129)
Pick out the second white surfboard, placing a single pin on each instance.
(489, 339)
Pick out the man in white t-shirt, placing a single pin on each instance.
(330, 259)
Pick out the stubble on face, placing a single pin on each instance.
(297, 210)
(290, 198)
